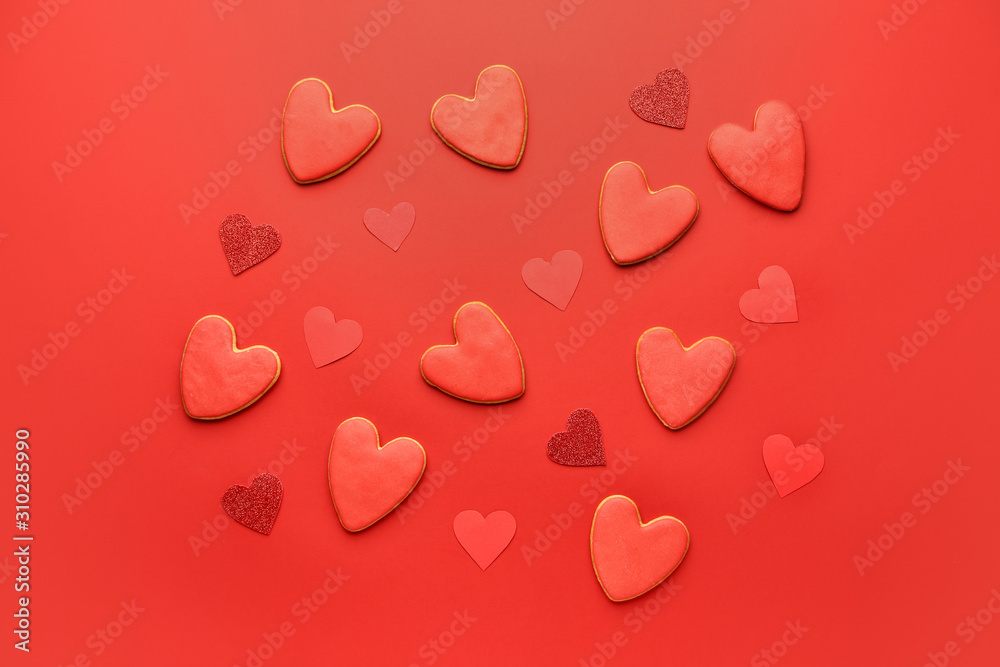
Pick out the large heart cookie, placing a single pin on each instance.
(246, 245)
(767, 163)
(631, 557)
(319, 141)
(217, 378)
(255, 506)
(490, 128)
(638, 223)
(368, 480)
(681, 382)
(483, 366)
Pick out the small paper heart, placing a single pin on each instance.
(246, 245)
(484, 539)
(391, 228)
(581, 444)
(255, 506)
(556, 282)
(774, 302)
(791, 467)
(665, 101)
(328, 339)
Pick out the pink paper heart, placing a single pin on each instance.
(774, 302)
(791, 467)
(556, 282)
(391, 228)
(484, 539)
(328, 339)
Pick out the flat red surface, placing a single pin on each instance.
(408, 592)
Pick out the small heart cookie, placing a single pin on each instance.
(638, 223)
(554, 281)
(631, 557)
(491, 128)
(483, 366)
(255, 506)
(581, 444)
(319, 141)
(791, 467)
(369, 480)
(681, 382)
(665, 102)
(767, 163)
(245, 244)
(484, 538)
(217, 378)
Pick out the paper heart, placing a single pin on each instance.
(665, 102)
(555, 282)
(767, 163)
(791, 467)
(681, 382)
(631, 557)
(217, 378)
(391, 228)
(580, 444)
(319, 141)
(490, 128)
(369, 480)
(638, 223)
(255, 506)
(483, 366)
(484, 539)
(328, 339)
(246, 245)
(774, 302)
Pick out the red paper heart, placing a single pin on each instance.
(491, 128)
(483, 366)
(681, 382)
(767, 163)
(581, 443)
(791, 467)
(368, 480)
(255, 506)
(484, 539)
(555, 282)
(774, 302)
(665, 102)
(638, 223)
(246, 245)
(319, 141)
(217, 378)
(391, 228)
(631, 557)
(328, 339)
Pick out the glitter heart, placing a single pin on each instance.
(246, 245)
(665, 101)
(484, 538)
(255, 506)
(580, 444)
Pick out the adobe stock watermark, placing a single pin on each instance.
(967, 629)
(420, 319)
(59, 339)
(408, 163)
(636, 620)
(923, 501)
(366, 33)
(957, 298)
(121, 108)
(697, 43)
(103, 637)
(434, 648)
(223, 7)
(914, 168)
(32, 23)
(898, 17)
(791, 636)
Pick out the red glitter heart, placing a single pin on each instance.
(255, 506)
(665, 101)
(581, 443)
(246, 245)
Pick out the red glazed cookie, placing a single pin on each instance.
(638, 223)
(681, 382)
(217, 378)
(369, 480)
(491, 128)
(319, 141)
(483, 366)
(631, 557)
(767, 163)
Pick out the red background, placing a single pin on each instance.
(793, 561)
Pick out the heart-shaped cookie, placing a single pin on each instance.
(581, 444)
(246, 245)
(328, 339)
(491, 128)
(665, 102)
(255, 506)
(631, 557)
(483, 366)
(791, 467)
(484, 539)
(391, 228)
(554, 281)
(681, 382)
(368, 480)
(638, 223)
(217, 378)
(319, 141)
(767, 163)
